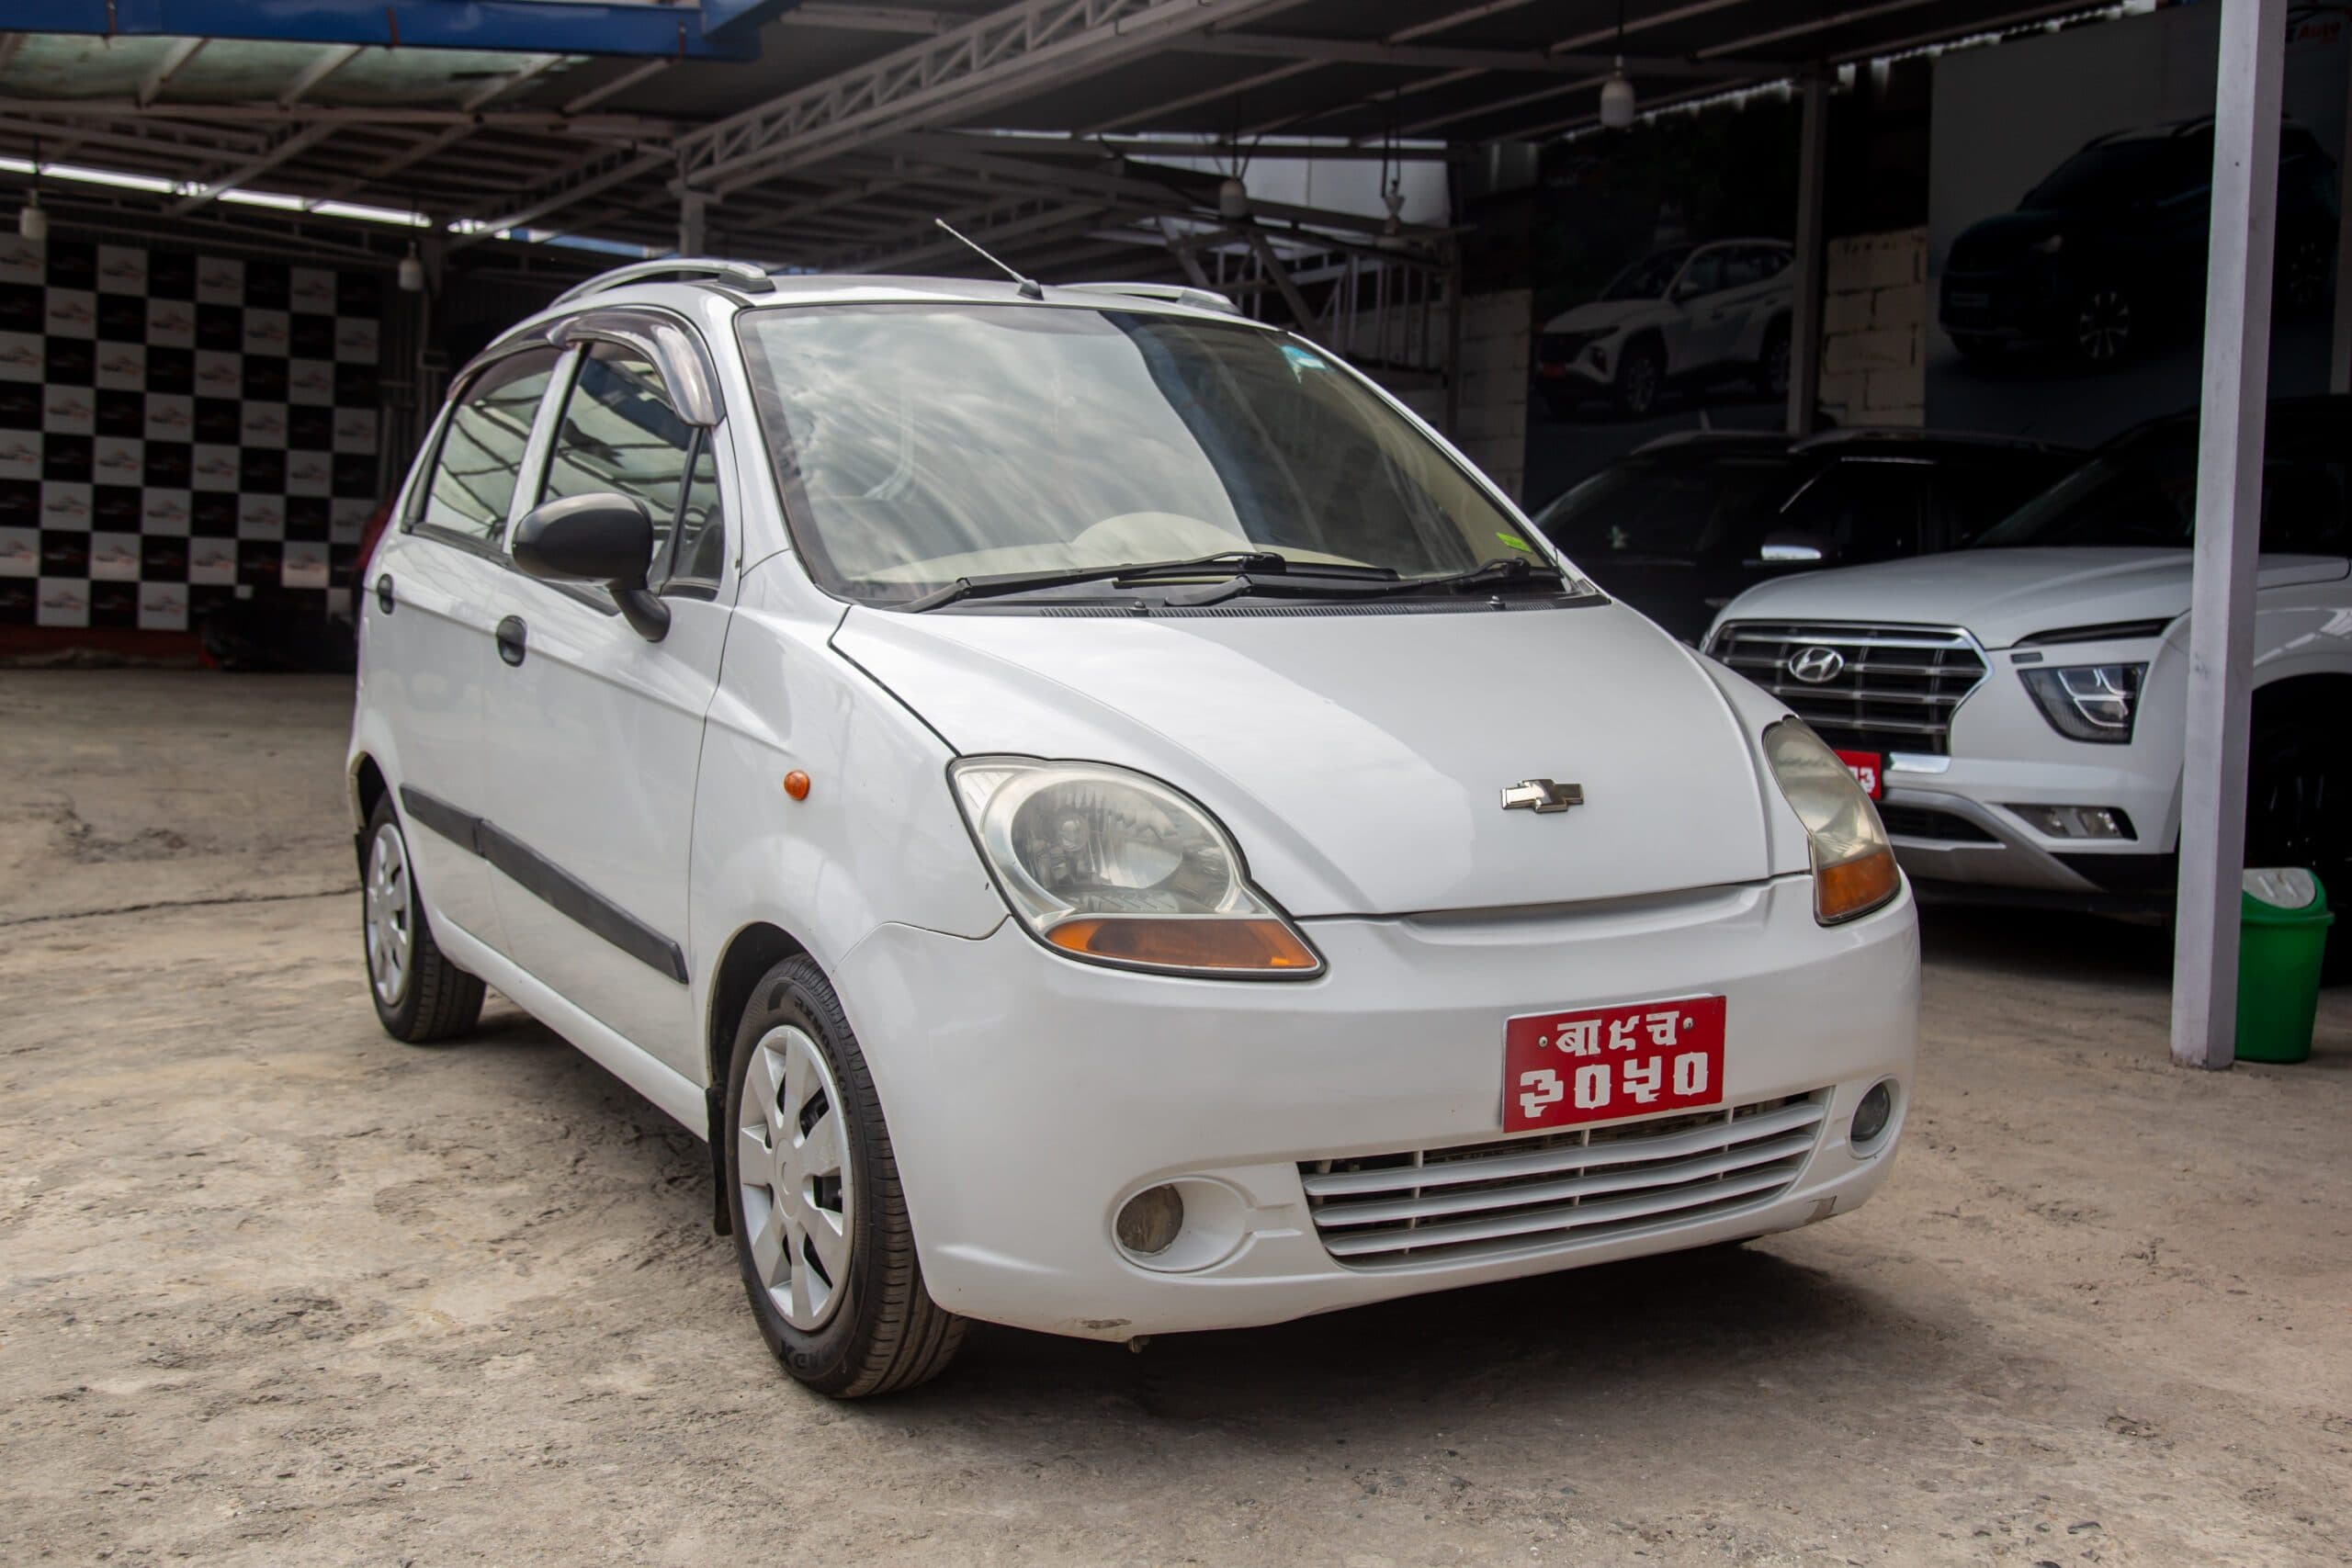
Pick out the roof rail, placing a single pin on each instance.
(745, 277)
(1170, 293)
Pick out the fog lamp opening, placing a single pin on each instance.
(1872, 1117)
(1150, 1221)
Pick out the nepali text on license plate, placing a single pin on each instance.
(1561, 1069)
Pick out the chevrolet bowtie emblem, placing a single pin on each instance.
(1541, 796)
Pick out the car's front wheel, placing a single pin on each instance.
(1641, 376)
(822, 1231)
(420, 996)
(2299, 809)
(2103, 325)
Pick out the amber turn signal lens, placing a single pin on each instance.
(1195, 943)
(795, 785)
(1854, 888)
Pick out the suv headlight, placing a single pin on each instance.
(1853, 864)
(2088, 701)
(1115, 867)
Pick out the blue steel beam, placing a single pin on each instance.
(536, 27)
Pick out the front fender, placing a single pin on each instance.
(877, 841)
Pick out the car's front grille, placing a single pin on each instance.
(1879, 688)
(1560, 1189)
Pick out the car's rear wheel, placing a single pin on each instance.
(420, 996)
(2103, 325)
(1641, 376)
(822, 1231)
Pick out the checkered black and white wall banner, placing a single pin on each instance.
(178, 429)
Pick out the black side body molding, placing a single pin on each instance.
(548, 882)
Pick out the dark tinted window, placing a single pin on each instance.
(1647, 279)
(472, 482)
(2142, 490)
(1977, 492)
(1866, 508)
(1746, 265)
(1705, 276)
(1661, 509)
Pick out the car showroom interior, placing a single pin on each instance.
(1356, 781)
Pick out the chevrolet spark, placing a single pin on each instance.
(1104, 821)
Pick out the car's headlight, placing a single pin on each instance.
(1853, 864)
(2088, 701)
(1117, 868)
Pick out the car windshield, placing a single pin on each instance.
(1649, 278)
(2142, 492)
(920, 444)
(1661, 509)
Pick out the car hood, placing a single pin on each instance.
(2005, 236)
(1359, 759)
(2001, 595)
(1600, 315)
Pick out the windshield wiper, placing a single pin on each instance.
(1486, 573)
(1238, 562)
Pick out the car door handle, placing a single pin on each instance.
(384, 600)
(512, 634)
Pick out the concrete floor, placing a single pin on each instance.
(279, 1290)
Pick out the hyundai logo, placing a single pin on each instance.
(1816, 666)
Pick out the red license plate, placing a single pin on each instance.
(1866, 766)
(1561, 1069)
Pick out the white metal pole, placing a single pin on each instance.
(2229, 518)
(1804, 318)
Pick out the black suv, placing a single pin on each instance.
(1685, 522)
(2113, 242)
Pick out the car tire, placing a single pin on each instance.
(2299, 811)
(2105, 325)
(420, 996)
(1772, 364)
(1641, 376)
(821, 1233)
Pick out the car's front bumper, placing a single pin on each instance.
(2022, 302)
(1029, 1096)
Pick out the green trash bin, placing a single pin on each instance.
(2283, 936)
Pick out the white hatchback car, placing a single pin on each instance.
(1104, 821)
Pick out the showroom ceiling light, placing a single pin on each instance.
(410, 275)
(32, 222)
(1617, 93)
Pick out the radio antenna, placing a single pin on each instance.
(1029, 289)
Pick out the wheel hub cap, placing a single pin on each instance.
(391, 938)
(791, 1161)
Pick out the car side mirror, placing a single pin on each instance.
(1795, 547)
(598, 538)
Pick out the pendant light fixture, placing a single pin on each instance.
(410, 275)
(1617, 93)
(32, 223)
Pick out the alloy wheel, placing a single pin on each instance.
(792, 1164)
(391, 938)
(2103, 326)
